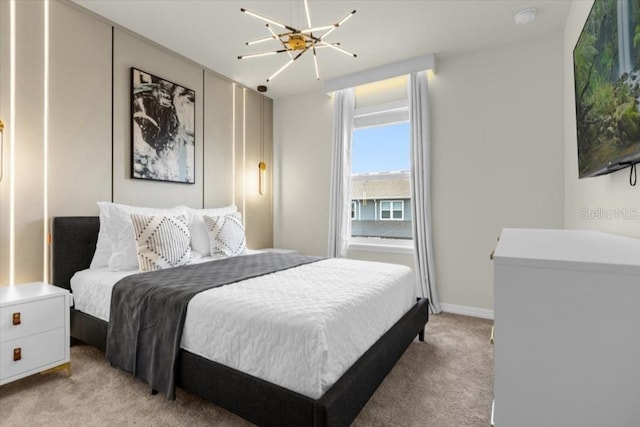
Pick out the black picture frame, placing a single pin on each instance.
(162, 129)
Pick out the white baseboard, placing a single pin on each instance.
(483, 313)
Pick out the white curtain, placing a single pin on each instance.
(421, 187)
(340, 205)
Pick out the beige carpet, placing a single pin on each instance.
(446, 381)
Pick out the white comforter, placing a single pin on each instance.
(300, 328)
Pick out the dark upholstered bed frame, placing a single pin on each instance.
(261, 402)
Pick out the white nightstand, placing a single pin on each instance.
(34, 330)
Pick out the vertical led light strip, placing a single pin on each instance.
(233, 145)
(12, 142)
(45, 138)
(244, 157)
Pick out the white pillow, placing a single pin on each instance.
(118, 224)
(103, 245)
(198, 230)
(161, 241)
(226, 235)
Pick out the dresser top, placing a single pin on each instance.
(577, 248)
(28, 292)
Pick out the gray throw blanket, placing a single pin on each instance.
(148, 311)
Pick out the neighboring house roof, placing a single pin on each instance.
(384, 185)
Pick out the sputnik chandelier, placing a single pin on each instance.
(296, 42)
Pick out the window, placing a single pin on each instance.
(392, 210)
(380, 182)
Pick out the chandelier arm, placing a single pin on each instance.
(265, 39)
(257, 55)
(301, 53)
(291, 61)
(279, 35)
(281, 69)
(338, 24)
(315, 61)
(269, 20)
(328, 32)
(306, 7)
(346, 18)
(322, 46)
(316, 29)
(339, 49)
(287, 34)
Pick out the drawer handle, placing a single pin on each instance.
(17, 354)
(16, 318)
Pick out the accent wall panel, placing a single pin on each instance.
(28, 150)
(4, 116)
(266, 204)
(87, 147)
(238, 148)
(79, 111)
(258, 223)
(218, 141)
(130, 51)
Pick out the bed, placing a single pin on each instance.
(254, 396)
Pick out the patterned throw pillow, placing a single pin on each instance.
(226, 235)
(198, 229)
(161, 241)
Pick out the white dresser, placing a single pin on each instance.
(34, 329)
(567, 329)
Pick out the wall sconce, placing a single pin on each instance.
(262, 171)
(1, 149)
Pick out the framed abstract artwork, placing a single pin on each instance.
(162, 129)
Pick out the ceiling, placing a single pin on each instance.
(213, 32)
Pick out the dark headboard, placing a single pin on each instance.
(73, 245)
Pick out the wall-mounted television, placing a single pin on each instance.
(606, 62)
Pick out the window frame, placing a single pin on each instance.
(381, 115)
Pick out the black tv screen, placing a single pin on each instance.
(606, 62)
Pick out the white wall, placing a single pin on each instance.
(302, 135)
(497, 158)
(588, 201)
(497, 131)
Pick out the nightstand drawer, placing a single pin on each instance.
(34, 317)
(37, 352)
